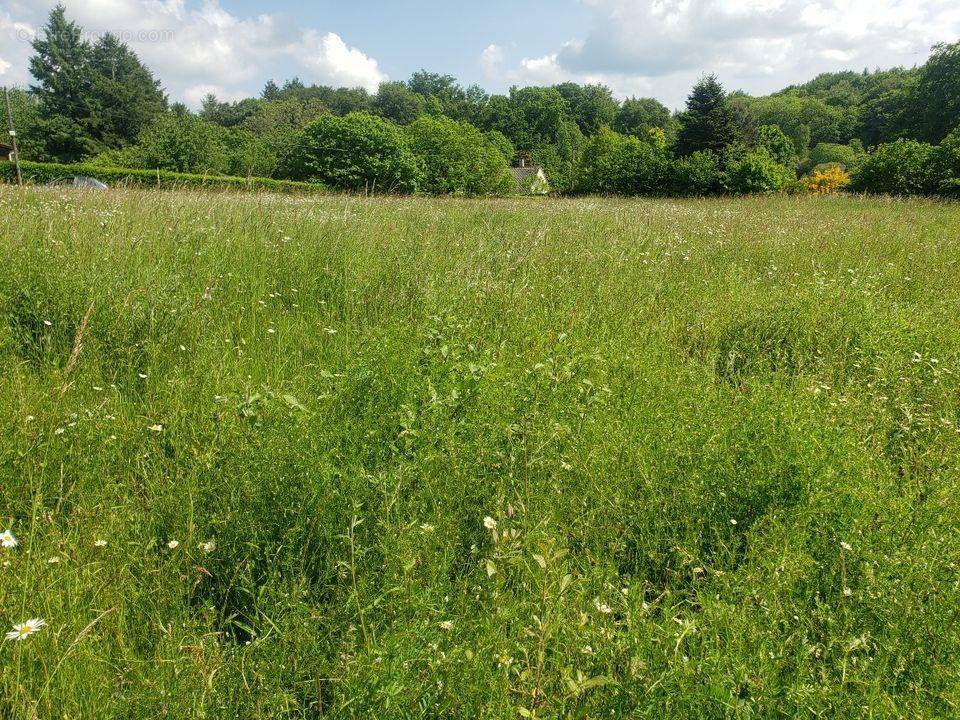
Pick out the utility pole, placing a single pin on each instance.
(13, 136)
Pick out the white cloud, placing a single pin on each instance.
(660, 47)
(338, 63)
(492, 60)
(197, 49)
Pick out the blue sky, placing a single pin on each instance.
(654, 48)
(439, 36)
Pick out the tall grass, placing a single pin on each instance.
(716, 444)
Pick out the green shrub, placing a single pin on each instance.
(946, 159)
(356, 152)
(697, 174)
(40, 173)
(622, 165)
(757, 172)
(457, 158)
(833, 154)
(903, 167)
(776, 142)
(180, 142)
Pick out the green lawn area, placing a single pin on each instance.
(332, 457)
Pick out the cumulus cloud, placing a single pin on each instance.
(330, 57)
(491, 60)
(197, 49)
(662, 46)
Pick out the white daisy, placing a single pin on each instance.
(8, 540)
(24, 630)
(446, 625)
(99, 543)
(489, 523)
(173, 544)
(208, 547)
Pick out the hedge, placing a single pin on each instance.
(40, 173)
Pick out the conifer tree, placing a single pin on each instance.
(709, 122)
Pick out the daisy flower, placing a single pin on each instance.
(489, 523)
(8, 540)
(99, 543)
(173, 544)
(25, 630)
(208, 547)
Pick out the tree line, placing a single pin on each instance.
(883, 131)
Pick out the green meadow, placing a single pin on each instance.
(336, 457)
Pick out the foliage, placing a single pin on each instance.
(502, 143)
(827, 180)
(637, 116)
(91, 98)
(590, 106)
(395, 101)
(180, 142)
(946, 157)
(935, 99)
(780, 147)
(832, 154)
(356, 152)
(708, 121)
(28, 121)
(903, 167)
(757, 172)
(457, 158)
(698, 174)
(41, 173)
(617, 164)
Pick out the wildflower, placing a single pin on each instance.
(733, 521)
(208, 547)
(156, 428)
(54, 560)
(48, 323)
(602, 608)
(427, 528)
(446, 625)
(173, 544)
(846, 546)
(8, 540)
(24, 630)
(489, 523)
(99, 543)
(847, 592)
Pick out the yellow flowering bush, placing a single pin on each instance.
(827, 181)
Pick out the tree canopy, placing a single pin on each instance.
(97, 101)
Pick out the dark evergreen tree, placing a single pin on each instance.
(124, 95)
(60, 67)
(708, 122)
(271, 93)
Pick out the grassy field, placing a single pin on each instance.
(274, 457)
